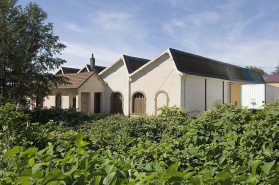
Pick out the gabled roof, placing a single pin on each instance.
(66, 70)
(77, 79)
(271, 78)
(201, 66)
(131, 63)
(88, 68)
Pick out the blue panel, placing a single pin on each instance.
(247, 74)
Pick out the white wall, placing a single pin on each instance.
(67, 95)
(92, 85)
(214, 92)
(117, 80)
(160, 75)
(272, 93)
(253, 93)
(194, 93)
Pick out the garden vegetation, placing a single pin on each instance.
(226, 145)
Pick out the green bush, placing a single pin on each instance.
(225, 145)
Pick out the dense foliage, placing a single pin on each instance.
(28, 51)
(257, 69)
(226, 145)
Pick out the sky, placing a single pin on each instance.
(239, 32)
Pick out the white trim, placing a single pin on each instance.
(83, 69)
(106, 69)
(100, 78)
(60, 68)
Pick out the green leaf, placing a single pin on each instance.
(29, 152)
(36, 167)
(221, 159)
(56, 183)
(31, 162)
(188, 175)
(27, 172)
(23, 180)
(275, 113)
(97, 180)
(267, 153)
(174, 166)
(223, 175)
(110, 179)
(12, 152)
(255, 165)
(148, 167)
(174, 174)
(79, 141)
(195, 181)
(267, 166)
(109, 168)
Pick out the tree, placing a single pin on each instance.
(28, 51)
(254, 68)
(276, 70)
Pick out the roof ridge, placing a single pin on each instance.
(204, 57)
(135, 57)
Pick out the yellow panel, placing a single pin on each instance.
(274, 84)
(236, 93)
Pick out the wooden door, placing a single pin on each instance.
(117, 103)
(138, 103)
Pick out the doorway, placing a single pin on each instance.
(97, 102)
(85, 101)
(116, 103)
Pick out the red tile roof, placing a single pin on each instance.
(271, 78)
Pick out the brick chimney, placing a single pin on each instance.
(92, 62)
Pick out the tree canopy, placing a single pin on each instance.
(28, 52)
(254, 68)
(276, 69)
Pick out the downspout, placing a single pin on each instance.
(129, 96)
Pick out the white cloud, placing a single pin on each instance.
(75, 28)
(78, 55)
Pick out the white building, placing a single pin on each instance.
(136, 86)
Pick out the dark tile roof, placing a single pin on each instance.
(197, 65)
(133, 63)
(76, 79)
(67, 70)
(98, 69)
(271, 78)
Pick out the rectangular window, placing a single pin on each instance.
(74, 103)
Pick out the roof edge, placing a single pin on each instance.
(109, 67)
(148, 63)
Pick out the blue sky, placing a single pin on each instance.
(240, 32)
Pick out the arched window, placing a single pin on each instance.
(58, 100)
(116, 103)
(161, 99)
(138, 103)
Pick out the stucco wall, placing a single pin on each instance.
(194, 93)
(67, 98)
(117, 81)
(161, 75)
(214, 92)
(92, 85)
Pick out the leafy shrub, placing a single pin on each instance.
(225, 145)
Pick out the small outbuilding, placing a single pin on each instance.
(86, 93)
